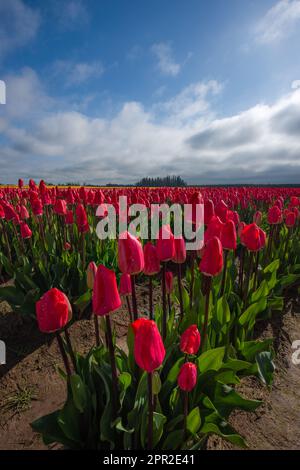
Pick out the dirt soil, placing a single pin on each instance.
(31, 371)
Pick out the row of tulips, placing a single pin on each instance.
(176, 383)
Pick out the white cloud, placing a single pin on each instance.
(19, 25)
(75, 73)
(166, 63)
(25, 95)
(180, 136)
(279, 21)
(295, 84)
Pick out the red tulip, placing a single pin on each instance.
(152, 264)
(274, 215)
(60, 207)
(20, 183)
(24, 213)
(221, 210)
(149, 350)
(37, 207)
(130, 254)
(165, 244)
(214, 229)
(290, 219)
(53, 311)
(25, 231)
(228, 236)
(69, 218)
(180, 251)
(190, 340)
(67, 246)
(187, 377)
(257, 218)
(81, 219)
(2, 213)
(169, 282)
(253, 237)
(211, 263)
(10, 213)
(106, 298)
(125, 287)
(209, 211)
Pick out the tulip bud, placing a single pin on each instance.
(25, 231)
(290, 219)
(180, 251)
(165, 243)
(190, 340)
(81, 219)
(60, 207)
(211, 263)
(130, 254)
(106, 297)
(253, 237)
(274, 215)
(53, 311)
(214, 229)
(91, 274)
(152, 264)
(149, 350)
(257, 218)
(125, 284)
(228, 236)
(187, 377)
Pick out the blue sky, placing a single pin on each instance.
(110, 91)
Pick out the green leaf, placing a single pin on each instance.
(68, 420)
(12, 295)
(193, 421)
(211, 359)
(173, 440)
(251, 348)
(262, 291)
(212, 428)
(78, 392)
(272, 267)
(50, 430)
(156, 383)
(265, 366)
(158, 427)
(251, 312)
(236, 365)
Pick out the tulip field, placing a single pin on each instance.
(175, 381)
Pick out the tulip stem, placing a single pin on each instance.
(150, 411)
(207, 280)
(185, 413)
(192, 278)
(129, 308)
(256, 271)
(114, 376)
(63, 354)
(164, 302)
(6, 241)
(224, 273)
(250, 268)
(180, 290)
(83, 250)
(97, 334)
(70, 348)
(241, 270)
(150, 298)
(133, 293)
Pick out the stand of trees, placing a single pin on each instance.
(166, 181)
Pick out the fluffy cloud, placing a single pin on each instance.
(279, 21)
(180, 136)
(76, 73)
(19, 25)
(166, 63)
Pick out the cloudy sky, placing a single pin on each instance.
(101, 91)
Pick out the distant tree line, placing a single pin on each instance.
(165, 181)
